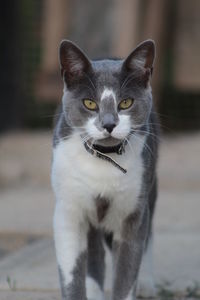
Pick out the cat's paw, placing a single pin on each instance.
(146, 288)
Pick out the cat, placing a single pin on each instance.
(105, 147)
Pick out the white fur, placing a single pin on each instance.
(107, 93)
(93, 290)
(70, 239)
(93, 131)
(130, 295)
(123, 128)
(77, 179)
(119, 132)
(146, 286)
(108, 281)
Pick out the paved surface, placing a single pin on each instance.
(29, 295)
(48, 295)
(27, 258)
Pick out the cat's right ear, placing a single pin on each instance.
(73, 62)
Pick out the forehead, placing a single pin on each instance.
(107, 73)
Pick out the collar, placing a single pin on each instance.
(95, 150)
(118, 149)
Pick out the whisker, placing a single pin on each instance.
(145, 145)
(127, 80)
(74, 127)
(93, 142)
(90, 80)
(89, 88)
(129, 144)
(154, 136)
(161, 125)
(161, 115)
(63, 138)
(51, 116)
(85, 138)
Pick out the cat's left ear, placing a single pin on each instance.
(142, 58)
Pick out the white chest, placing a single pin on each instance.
(78, 178)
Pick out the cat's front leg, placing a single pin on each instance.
(71, 243)
(127, 250)
(146, 285)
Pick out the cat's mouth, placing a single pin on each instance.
(108, 141)
(114, 148)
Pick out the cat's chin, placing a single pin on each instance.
(109, 141)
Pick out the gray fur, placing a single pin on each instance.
(85, 79)
(102, 205)
(62, 129)
(90, 81)
(128, 253)
(76, 289)
(150, 156)
(96, 254)
(108, 116)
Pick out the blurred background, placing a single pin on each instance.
(31, 31)
(31, 88)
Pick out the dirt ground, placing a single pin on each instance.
(27, 258)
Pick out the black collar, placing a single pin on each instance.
(100, 154)
(109, 149)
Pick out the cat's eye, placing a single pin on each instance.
(90, 104)
(126, 103)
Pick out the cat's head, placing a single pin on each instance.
(106, 99)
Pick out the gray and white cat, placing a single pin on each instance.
(104, 174)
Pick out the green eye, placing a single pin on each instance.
(126, 103)
(90, 104)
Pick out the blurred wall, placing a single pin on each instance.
(31, 84)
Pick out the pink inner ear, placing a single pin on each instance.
(144, 59)
(74, 62)
(149, 61)
(75, 67)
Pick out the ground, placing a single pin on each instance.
(27, 258)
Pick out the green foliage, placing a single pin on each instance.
(30, 19)
(193, 291)
(164, 291)
(11, 283)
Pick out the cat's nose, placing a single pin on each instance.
(109, 127)
(109, 122)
